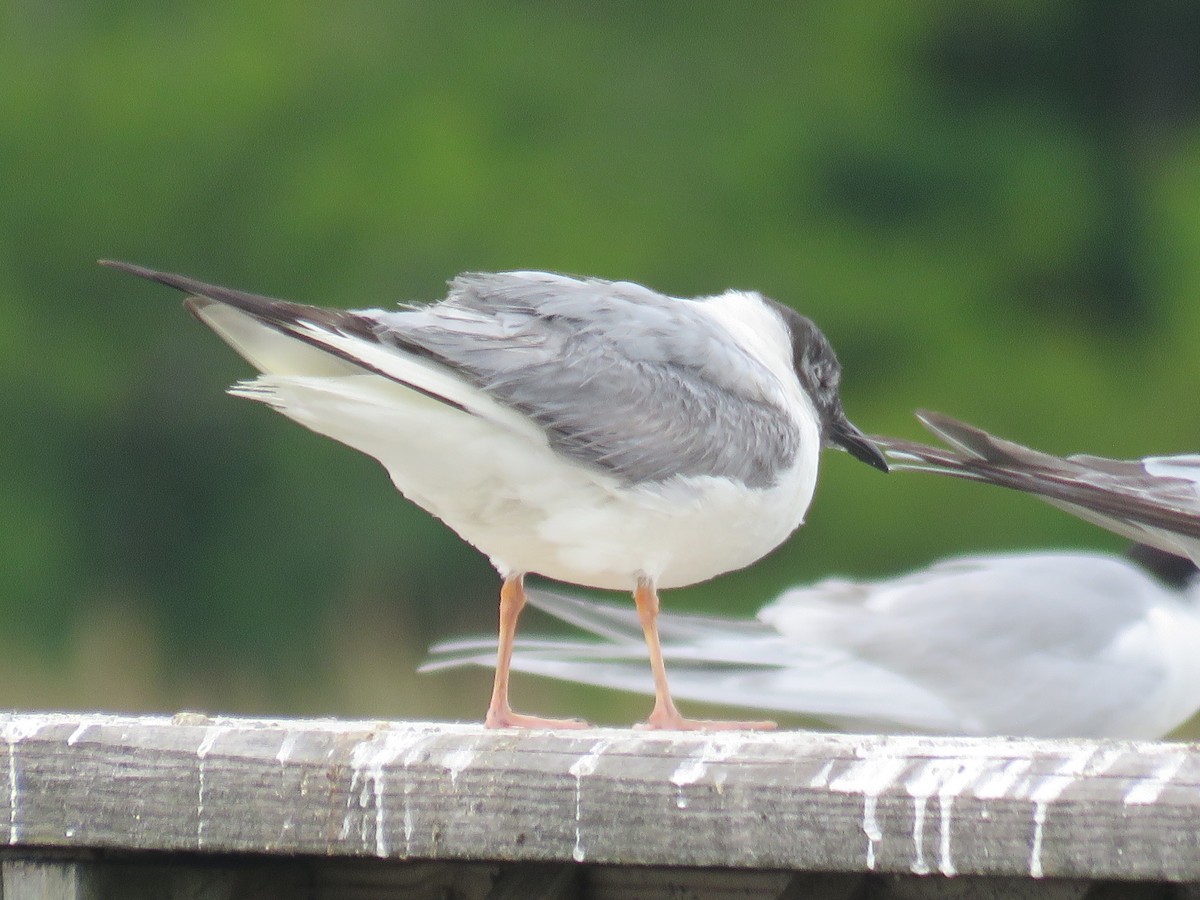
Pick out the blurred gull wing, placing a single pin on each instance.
(1040, 644)
(1155, 501)
(1037, 644)
(737, 663)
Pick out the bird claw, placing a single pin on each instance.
(510, 719)
(676, 722)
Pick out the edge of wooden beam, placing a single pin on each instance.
(798, 801)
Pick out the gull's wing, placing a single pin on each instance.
(1050, 644)
(613, 375)
(1155, 501)
(618, 376)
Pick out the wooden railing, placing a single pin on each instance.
(101, 805)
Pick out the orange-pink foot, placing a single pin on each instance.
(510, 719)
(675, 722)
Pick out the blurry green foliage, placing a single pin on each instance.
(993, 209)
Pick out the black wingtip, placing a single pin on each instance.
(179, 282)
(187, 285)
(131, 268)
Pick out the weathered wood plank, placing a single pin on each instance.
(200, 878)
(49, 879)
(156, 876)
(526, 881)
(899, 887)
(790, 801)
(374, 879)
(822, 886)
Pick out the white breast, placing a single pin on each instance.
(531, 510)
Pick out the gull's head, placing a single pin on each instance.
(820, 374)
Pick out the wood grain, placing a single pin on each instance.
(793, 802)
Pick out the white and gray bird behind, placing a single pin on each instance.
(1023, 644)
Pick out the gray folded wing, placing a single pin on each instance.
(619, 377)
(633, 383)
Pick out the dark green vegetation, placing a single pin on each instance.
(991, 209)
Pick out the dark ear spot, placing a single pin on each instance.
(813, 358)
(827, 376)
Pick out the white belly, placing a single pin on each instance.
(531, 510)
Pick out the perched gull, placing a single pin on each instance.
(595, 432)
(1030, 644)
(1153, 501)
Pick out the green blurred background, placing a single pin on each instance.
(992, 209)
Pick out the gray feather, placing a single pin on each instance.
(621, 378)
(636, 384)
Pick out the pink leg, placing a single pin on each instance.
(500, 714)
(665, 716)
